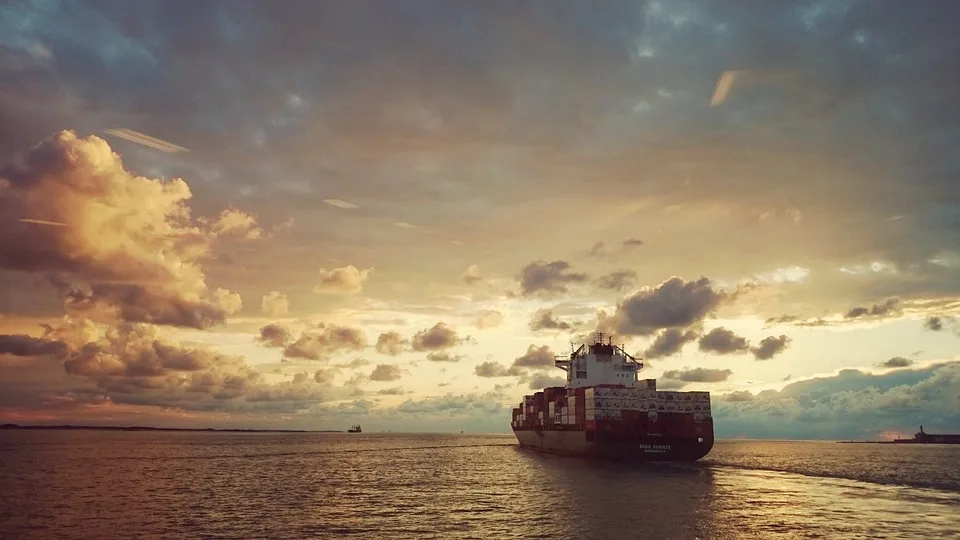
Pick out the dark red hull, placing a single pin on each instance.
(670, 438)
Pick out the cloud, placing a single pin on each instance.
(548, 278)
(471, 275)
(890, 307)
(851, 405)
(675, 303)
(390, 343)
(617, 281)
(439, 336)
(326, 375)
(897, 362)
(494, 369)
(23, 345)
(275, 305)
(386, 372)
(146, 140)
(669, 342)
(536, 358)
(598, 250)
(114, 250)
(723, 341)
(275, 335)
(356, 363)
(544, 319)
(697, 375)
(233, 222)
(443, 357)
(770, 346)
(632, 242)
(394, 391)
(489, 319)
(933, 323)
(345, 280)
(325, 341)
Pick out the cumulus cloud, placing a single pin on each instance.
(548, 278)
(897, 362)
(443, 357)
(439, 336)
(723, 341)
(669, 342)
(770, 346)
(346, 280)
(386, 372)
(275, 335)
(471, 275)
(325, 375)
(618, 280)
(675, 303)
(324, 341)
(233, 222)
(275, 305)
(125, 242)
(544, 319)
(495, 369)
(390, 343)
(697, 375)
(489, 319)
(850, 405)
(536, 358)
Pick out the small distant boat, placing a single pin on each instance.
(354, 429)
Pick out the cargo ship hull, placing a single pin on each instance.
(616, 446)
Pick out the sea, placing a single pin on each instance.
(106, 484)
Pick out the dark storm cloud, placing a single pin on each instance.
(544, 277)
(770, 346)
(544, 319)
(669, 342)
(723, 341)
(439, 336)
(675, 303)
(618, 280)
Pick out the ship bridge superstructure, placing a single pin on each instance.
(600, 363)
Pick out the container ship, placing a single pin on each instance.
(923, 437)
(605, 411)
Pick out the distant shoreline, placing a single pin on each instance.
(150, 428)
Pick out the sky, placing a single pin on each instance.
(310, 214)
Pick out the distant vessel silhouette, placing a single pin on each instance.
(922, 437)
(354, 429)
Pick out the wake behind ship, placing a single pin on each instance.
(604, 411)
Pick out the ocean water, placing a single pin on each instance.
(99, 484)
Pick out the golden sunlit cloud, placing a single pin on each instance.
(405, 225)
(340, 204)
(724, 85)
(146, 140)
(43, 222)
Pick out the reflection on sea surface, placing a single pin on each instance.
(231, 485)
